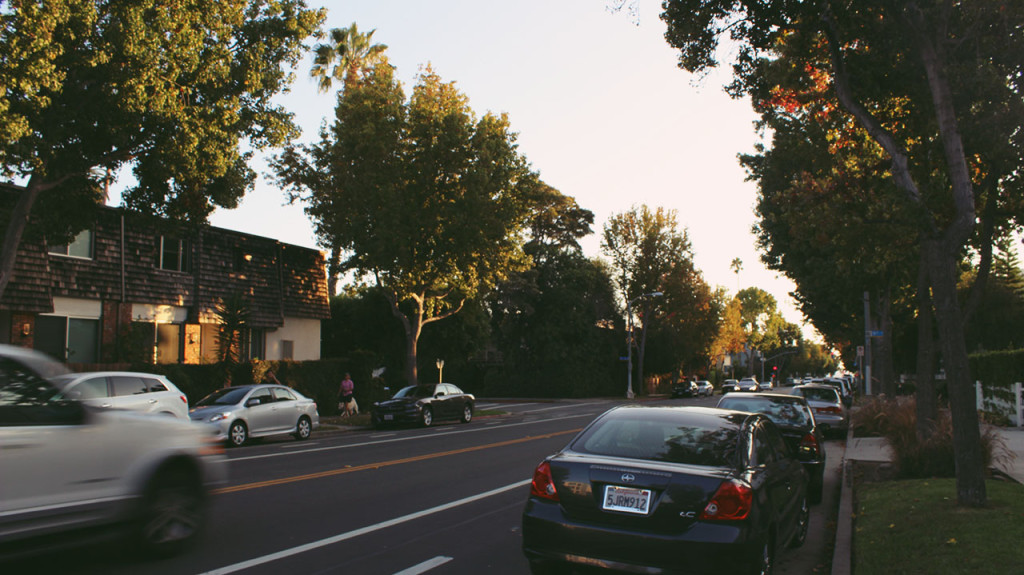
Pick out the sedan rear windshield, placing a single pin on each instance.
(782, 411)
(695, 441)
(819, 394)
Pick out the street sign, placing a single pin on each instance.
(877, 333)
(860, 351)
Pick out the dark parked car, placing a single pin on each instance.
(424, 404)
(667, 489)
(685, 389)
(794, 419)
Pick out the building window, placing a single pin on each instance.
(80, 247)
(257, 344)
(72, 339)
(287, 349)
(174, 254)
(168, 343)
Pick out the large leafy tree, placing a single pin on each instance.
(645, 248)
(180, 90)
(553, 321)
(427, 199)
(346, 55)
(939, 60)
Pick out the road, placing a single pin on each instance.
(442, 500)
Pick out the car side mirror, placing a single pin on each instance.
(252, 402)
(439, 394)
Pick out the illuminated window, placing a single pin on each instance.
(80, 247)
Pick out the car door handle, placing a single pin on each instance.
(152, 401)
(104, 405)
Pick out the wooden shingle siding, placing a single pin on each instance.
(278, 280)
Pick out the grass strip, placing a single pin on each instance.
(912, 527)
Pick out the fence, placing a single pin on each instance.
(1003, 400)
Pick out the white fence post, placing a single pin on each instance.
(980, 401)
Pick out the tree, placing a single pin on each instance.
(952, 57)
(351, 53)
(736, 266)
(178, 90)
(645, 248)
(428, 200)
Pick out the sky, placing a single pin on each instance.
(601, 109)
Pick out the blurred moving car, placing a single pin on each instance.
(730, 385)
(749, 384)
(69, 468)
(424, 404)
(684, 389)
(793, 417)
(828, 408)
(142, 392)
(704, 388)
(247, 411)
(667, 489)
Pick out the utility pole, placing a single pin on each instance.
(867, 343)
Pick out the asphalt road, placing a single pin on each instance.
(442, 500)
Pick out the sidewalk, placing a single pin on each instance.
(875, 449)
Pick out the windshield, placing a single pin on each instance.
(820, 394)
(226, 396)
(415, 391)
(664, 436)
(783, 412)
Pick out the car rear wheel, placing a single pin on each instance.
(238, 433)
(467, 413)
(303, 428)
(173, 513)
(802, 522)
(427, 417)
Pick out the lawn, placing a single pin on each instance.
(915, 527)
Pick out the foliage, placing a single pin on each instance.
(427, 200)
(180, 91)
(913, 526)
(895, 419)
(232, 314)
(998, 368)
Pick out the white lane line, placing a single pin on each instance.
(425, 566)
(362, 531)
(562, 407)
(429, 435)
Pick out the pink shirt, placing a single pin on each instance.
(347, 386)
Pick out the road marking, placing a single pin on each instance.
(425, 566)
(561, 407)
(378, 465)
(428, 435)
(362, 531)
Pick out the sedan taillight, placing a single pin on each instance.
(810, 443)
(543, 484)
(731, 502)
(829, 409)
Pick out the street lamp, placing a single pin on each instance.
(440, 370)
(629, 341)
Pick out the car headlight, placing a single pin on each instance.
(220, 416)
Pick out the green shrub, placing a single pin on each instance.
(916, 457)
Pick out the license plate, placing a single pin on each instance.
(627, 499)
(388, 417)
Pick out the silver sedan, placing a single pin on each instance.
(239, 413)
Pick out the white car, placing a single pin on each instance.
(142, 392)
(67, 466)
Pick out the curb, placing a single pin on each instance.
(842, 555)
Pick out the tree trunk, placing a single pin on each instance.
(967, 450)
(333, 271)
(883, 358)
(927, 403)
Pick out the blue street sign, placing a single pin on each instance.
(877, 333)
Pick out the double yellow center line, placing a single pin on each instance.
(379, 465)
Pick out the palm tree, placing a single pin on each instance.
(350, 52)
(736, 266)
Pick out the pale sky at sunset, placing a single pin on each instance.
(602, 111)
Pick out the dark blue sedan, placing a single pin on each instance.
(666, 490)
